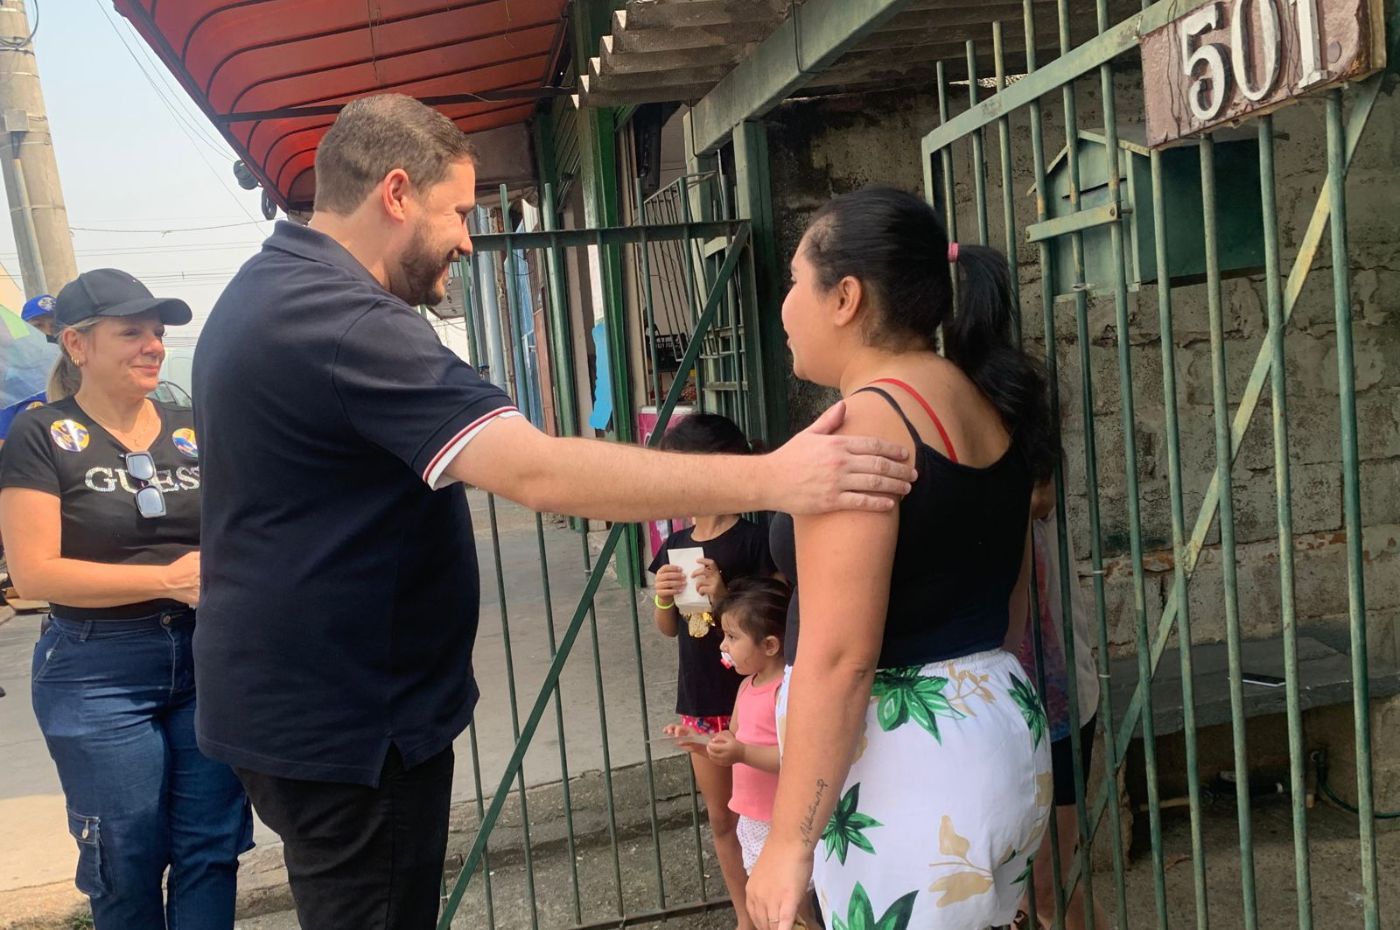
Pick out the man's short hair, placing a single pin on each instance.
(374, 135)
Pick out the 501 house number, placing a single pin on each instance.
(1204, 64)
(1229, 59)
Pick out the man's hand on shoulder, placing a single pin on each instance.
(821, 470)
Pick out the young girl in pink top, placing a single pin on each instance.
(753, 616)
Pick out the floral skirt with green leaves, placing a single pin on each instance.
(946, 802)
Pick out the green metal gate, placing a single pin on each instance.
(612, 835)
(726, 373)
(1103, 210)
(1099, 244)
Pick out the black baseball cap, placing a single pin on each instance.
(109, 292)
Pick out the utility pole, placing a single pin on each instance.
(30, 170)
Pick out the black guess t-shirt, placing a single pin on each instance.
(704, 687)
(60, 450)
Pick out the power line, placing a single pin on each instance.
(181, 117)
(221, 217)
(178, 94)
(169, 230)
(182, 124)
(23, 43)
(190, 275)
(161, 249)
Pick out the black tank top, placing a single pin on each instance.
(962, 533)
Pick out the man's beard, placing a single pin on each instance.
(421, 269)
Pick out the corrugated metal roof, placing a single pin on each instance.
(678, 50)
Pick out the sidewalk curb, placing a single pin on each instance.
(262, 878)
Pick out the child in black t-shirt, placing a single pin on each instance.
(706, 685)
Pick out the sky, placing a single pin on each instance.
(147, 180)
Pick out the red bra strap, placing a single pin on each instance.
(937, 423)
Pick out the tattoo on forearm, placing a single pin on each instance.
(809, 823)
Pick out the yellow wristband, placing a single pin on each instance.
(656, 599)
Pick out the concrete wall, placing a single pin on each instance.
(821, 147)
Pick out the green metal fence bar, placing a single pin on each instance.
(653, 209)
(614, 235)
(1186, 565)
(1009, 222)
(1178, 520)
(1008, 194)
(555, 310)
(648, 340)
(1283, 493)
(690, 291)
(480, 818)
(762, 284)
(1047, 301)
(1038, 651)
(695, 825)
(617, 331)
(1078, 221)
(570, 837)
(1351, 506)
(979, 155)
(487, 270)
(1309, 245)
(504, 318)
(473, 350)
(719, 354)
(1130, 462)
(1091, 479)
(663, 200)
(945, 155)
(648, 305)
(1072, 63)
(732, 333)
(514, 707)
(1244, 413)
(514, 309)
(476, 307)
(647, 917)
(590, 595)
(571, 632)
(1081, 312)
(646, 745)
(1188, 551)
(1223, 462)
(758, 412)
(561, 340)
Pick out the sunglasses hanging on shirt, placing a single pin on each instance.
(150, 500)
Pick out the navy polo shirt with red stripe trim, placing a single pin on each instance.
(340, 591)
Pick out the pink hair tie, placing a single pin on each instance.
(952, 252)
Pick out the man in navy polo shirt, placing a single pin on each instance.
(340, 590)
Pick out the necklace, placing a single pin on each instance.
(129, 438)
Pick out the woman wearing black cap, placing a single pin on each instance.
(99, 507)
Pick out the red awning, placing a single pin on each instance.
(271, 74)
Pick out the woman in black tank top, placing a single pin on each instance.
(915, 780)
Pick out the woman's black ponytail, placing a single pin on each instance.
(979, 339)
(896, 245)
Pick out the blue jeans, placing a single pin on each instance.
(115, 701)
